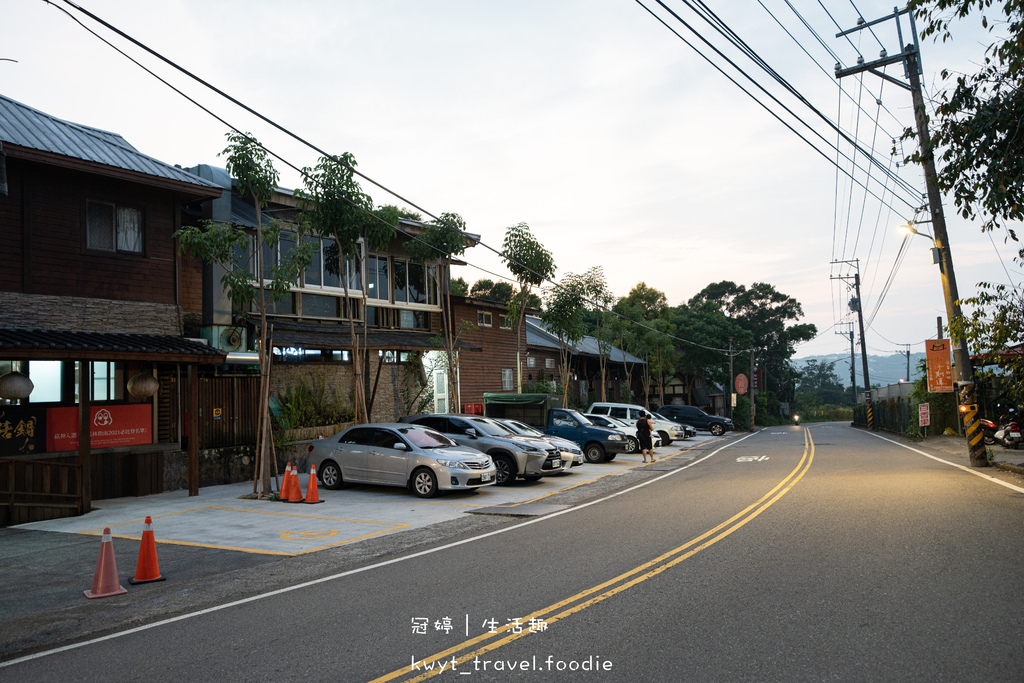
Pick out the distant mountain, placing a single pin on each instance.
(883, 370)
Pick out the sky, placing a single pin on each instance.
(616, 142)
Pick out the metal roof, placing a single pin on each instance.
(339, 336)
(537, 334)
(27, 127)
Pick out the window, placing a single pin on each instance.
(413, 320)
(109, 227)
(549, 363)
(506, 379)
(320, 306)
(377, 283)
(483, 318)
(504, 323)
(531, 361)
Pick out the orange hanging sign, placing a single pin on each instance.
(940, 367)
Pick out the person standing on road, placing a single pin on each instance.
(643, 435)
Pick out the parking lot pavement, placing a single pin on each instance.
(220, 517)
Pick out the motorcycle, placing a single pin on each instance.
(1008, 433)
(988, 429)
(796, 420)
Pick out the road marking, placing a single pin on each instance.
(639, 574)
(987, 477)
(360, 570)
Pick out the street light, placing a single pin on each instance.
(909, 229)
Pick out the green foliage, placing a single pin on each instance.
(333, 205)
(819, 379)
(650, 302)
(440, 240)
(250, 166)
(488, 290)
(976, 128)
(994, 324)
(529, 262)
(459, 287)
(310, 404)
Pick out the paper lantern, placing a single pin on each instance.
(15, 386)
(143, 385)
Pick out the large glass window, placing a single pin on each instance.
(109, 227)
(315, 269)
(320, 305)
(46, 380)
(401, 281)
(377, 283)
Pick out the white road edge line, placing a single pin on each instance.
(987, 477)
(334, 577)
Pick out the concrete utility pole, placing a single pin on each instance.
(863, 343)
(853, 364)
(911, 59)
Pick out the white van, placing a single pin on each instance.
(668, 431)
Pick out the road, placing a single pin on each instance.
(793, 553)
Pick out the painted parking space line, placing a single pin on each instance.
(253, 531)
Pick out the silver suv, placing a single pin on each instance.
(513, 455)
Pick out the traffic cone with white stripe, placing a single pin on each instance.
(285, 483)
(105, 582)
(295, 494)
(147, 569)
(312, 494)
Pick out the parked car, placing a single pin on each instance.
(396, 454)
(668, 430)
(513, 455)
(697, 418)
(627, 430)
(572, 456)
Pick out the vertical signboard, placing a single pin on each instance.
(924, 414)
(940, 366)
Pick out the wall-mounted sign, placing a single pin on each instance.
(741, 383)
(129, 425)
(22, 430)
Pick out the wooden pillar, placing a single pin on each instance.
(193, 430)
(85, 435)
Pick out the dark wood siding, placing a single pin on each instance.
(480, 371)
(60, 265)
(11, 234)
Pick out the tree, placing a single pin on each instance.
(650, 302)
(819, 379)
(602, 300)
(333, 205)
(441, 240)
(488, 290)
(707, 331)
(532, 265)
(458, 287)
(564, 306)
(246, 275)
(978, 142)
(977, 124)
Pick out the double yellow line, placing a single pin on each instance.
(474, 647)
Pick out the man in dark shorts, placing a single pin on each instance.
(643, 435)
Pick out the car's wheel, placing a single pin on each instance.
(330, 475)
(424, 483)
(632, 444)
(665, 440)
(610, 457)
(717, 429)
(506, 470)
(593, 452)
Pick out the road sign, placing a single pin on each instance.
(741, 383)
(924, 415)
(940, 366)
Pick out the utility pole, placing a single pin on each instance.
(911, 59)
(730, 378)
(750, 389)
(853, 364)
(859, 308)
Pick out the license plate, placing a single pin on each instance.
(1014, 435)
(485, 477)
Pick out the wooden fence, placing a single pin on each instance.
(35, 490)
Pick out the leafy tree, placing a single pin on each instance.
(333, 205)
(246, 275)
(819, 379)
(650, 302)
(441, 240)
(977, 124)
(488, 290)
(564, 306)
(707, 330)
(602, 301)
(532, 265)
(459, 287)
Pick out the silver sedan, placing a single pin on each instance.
(399, 454)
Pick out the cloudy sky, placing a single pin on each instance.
(589, 120)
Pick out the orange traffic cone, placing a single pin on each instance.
(147, 569)
(104, 581)
(285, 483)
(295, 494)
(312, 495)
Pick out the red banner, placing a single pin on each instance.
(940, 366)
(111, 426)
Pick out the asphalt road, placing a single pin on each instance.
(792, 554)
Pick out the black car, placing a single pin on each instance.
(697, 418)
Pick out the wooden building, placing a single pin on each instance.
(91, 289)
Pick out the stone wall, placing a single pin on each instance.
(81, 314)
